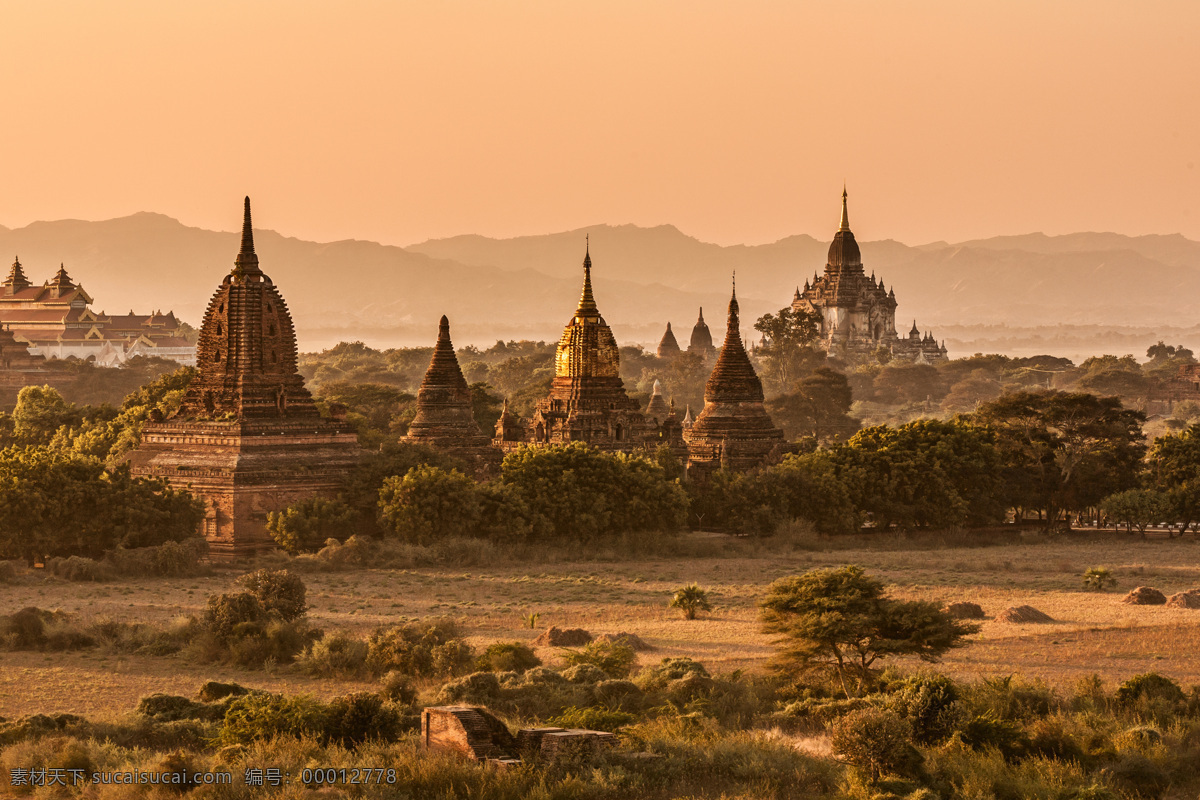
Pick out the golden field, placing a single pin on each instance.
(1092, 632)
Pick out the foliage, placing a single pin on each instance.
(360, 717)
(335, 655)
(1098, 579)
(818, 406)
(840, 620)
(614, 659)
(261, 716)
(226, 615)
(362, 487)
(508, 657)
(930, 703)
(1138, 509)
(430, 649)
(581, 493)
(594, 719)
(788, 348)
(429, 503)
(690, 599)
(877, 741)
(279, 591)
(306, 525)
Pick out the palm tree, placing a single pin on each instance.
(690, 599)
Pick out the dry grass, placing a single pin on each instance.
(1093, 632)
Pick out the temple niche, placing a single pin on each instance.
(247, 438)
(733, 431)
(858, 314)
(444, 418)
(587, 400)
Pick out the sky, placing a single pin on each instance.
(737, 122)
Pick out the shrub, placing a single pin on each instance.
(429, 503)
(1150, 686)
(986, 731)
(690, 599)
(256, 717)
(619, 694)
(876, 741)
(508, 657)
(335, 655)
(596, 719)
(397, 688)
(928, 702)
(78, 568)
(616, 660)
(431, 649)
(1137, 776)
(585, 673)
(227, 614)
(479, 687)
(361, 717)
(8, 573)
(1097, 579)
(308, 524)
(1010, 698)
(279, 591)
(169, 708)
(168, 560)
(657, 677)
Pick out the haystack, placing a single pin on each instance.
(630, 640)
(1022, 615)
(563, 637)
(1188, 599)
(1145, 596)
(965, 611)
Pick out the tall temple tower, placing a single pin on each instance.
(444, 417)
(247, 438)
(858, 314)
(734, 429)
(587, 400)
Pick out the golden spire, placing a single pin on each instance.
(587, 303)
(845, 226)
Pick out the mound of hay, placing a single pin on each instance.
(1022, 614)
(1145, 596)
(563, 637)
(965, 611)
(1188, 599)
(631, 640)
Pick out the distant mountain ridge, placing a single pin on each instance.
(528, 286)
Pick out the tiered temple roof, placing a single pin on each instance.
(444, 417)
(701, 342)
(734, 429)
(668, 347)
(247, 438)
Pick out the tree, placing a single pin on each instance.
(305, 526)
(40, 412)
(690, 599)
(1062, 451)
(1137, 508)
(787, 351)
(819, 407)
(485, 406)
(838, 620)
(429, 503)
(377, 411)
(908, 383)
(1174, 468)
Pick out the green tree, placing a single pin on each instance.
(428, 504)
(839, 620)
(40, 412)
(1174, 468)
(788, 350)
(819, 407)
(485, 407)
(1063, 451)
(305, 526)
(691, 599)
(1137, 508)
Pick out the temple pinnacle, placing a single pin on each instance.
(247, 231)
(247, 260)
(845, 226)
(587, 303)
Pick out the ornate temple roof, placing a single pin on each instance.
(733, 379)
(443, 366)
(444, 416)
(587, 348)
(16, 277)
(247, 349)
(668, 347)
(701, 340)
(844, 254)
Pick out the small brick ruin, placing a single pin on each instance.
(479, 735)
(248, 437)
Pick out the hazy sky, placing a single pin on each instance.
(735, 121)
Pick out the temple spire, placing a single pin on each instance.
(16, 277)
(247, 261)
(845, 225)
(733, 333)
(587, 303)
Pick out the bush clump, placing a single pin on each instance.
(876, 741)
(335, 655)
(615, 660)
(279, 591)
(929, 703)
(508, 657)
(419, 649)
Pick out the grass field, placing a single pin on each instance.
(1092, 632)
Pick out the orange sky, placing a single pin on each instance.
(735, 121)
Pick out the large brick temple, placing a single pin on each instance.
(247, 438)
(587, 400)
(734, 430)
(858, 314)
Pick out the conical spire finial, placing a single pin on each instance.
(587, 303)
(443, 330)
(733, 327)
(246, 262)
(845, 225)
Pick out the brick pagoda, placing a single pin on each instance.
(247, 438)
(733, 430)
(444, 418)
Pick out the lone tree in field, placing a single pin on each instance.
(839, 620)
(691, 599)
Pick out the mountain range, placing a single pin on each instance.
(526, 287)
